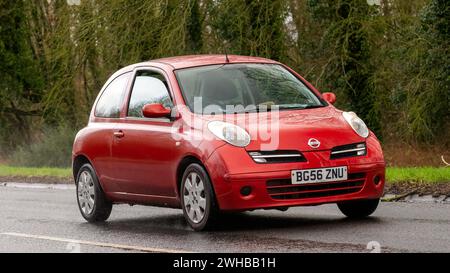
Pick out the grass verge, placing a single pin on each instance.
(35, 175)
(418, 174)
(36, 172)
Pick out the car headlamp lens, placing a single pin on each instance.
(356, 123)
(230, 133)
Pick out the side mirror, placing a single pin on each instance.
(330, 97)
(155, 110)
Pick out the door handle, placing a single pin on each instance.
(119, 134)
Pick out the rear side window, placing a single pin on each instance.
(111, 101)
(149, 87)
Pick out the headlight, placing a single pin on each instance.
(231, 133)
(356, 123)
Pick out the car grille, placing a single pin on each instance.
(279, 156)
(283, 189)
(350, 150)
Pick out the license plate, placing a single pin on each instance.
(319, 175)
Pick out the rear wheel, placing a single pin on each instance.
(359, 208)
(197, 198)
(92, 202)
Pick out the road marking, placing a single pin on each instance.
(99, 244)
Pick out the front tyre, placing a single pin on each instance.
(197, 198)
(359, 208)
(92, 202)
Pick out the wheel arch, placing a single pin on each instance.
(78, 162)
(184, 163)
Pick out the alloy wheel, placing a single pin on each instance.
(86, 193)
(194, 197)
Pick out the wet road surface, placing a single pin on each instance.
(48, 220)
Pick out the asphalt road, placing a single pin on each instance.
(48, 220)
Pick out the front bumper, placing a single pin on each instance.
(231, 170)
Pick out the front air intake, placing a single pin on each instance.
(279, 156)
(283, 189)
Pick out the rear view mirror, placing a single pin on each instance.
(155, 110)
(329, 97)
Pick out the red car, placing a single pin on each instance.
(213, 133)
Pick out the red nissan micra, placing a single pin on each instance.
(212, 133)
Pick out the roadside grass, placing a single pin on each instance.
(393, 174)
(418, 174)
(35, 172)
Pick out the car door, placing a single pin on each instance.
(106, 115)
(143, 148)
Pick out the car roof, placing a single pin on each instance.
(180, 62)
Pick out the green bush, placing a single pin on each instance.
(52, 150)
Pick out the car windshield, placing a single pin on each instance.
(237, 88)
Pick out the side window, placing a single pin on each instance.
(149, 87)
(110, 103)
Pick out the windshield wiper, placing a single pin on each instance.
(313, 106)
(256, 108)
(299, 107)
(268, 108)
